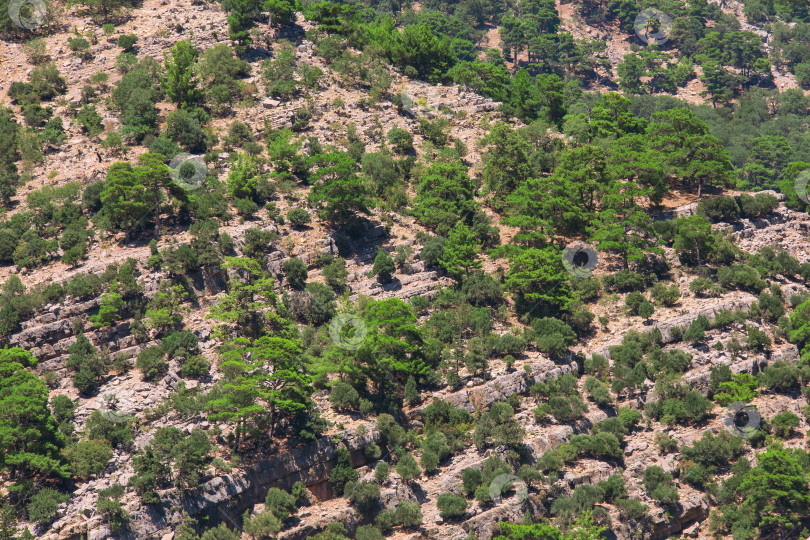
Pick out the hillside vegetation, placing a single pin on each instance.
(361, 270)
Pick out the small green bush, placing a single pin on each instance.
(659, 485)
(280, 503)
(408, 514)
(784, 423)
(44, 505)
(451, 506)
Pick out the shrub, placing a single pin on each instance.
(384, 266)
(697, 475)
(185, 129)
(553, 336)
(780, 376)
(280, 503)
(756, 206)
(697, 329)
(385, 519)
(451, 506)
(631, 509)
(152, 362)
(381, 472)
(632, 302)
(498, 427)
(300, 492)
(335, 274)
(624, 281)
(758, 340)
(88, 458)
(368, 532)
(401, 139)
(783, 424)
(298, 217)
(295, 271)
(407, 468)
(714, 451)
(719, 209)
(408, 514)
(44, 504)
(742, 276)
(598, 391)
(742, 387)
(433, 251)
(659, 485)
(666, 444)
(363, 496)
(127, 41)
(342, 473)
(118, 433)
(62, 407)
(344, 396)
(667, 296)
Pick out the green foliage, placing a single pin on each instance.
(89, 458)
(659, 485)
(408, 514)
(44, 504)
(742, 387)
(295, 271)
(383, 266)
(338, 193)
(407, 468)
(364, 496)
(29, 439)
(451, 506)
(381, 472)
(780, 376)
(152, 362)
(280, 503)
(344, 396)
(553, 336)
(678, 404)
(783, 424)
(342, 473)
(498, 427)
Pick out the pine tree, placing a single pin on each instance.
(111, 308)
(30, 441)
(460, 252)
(179, 82)
(123, 198)
(411, 393)
(408, 468)
(264, 379)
